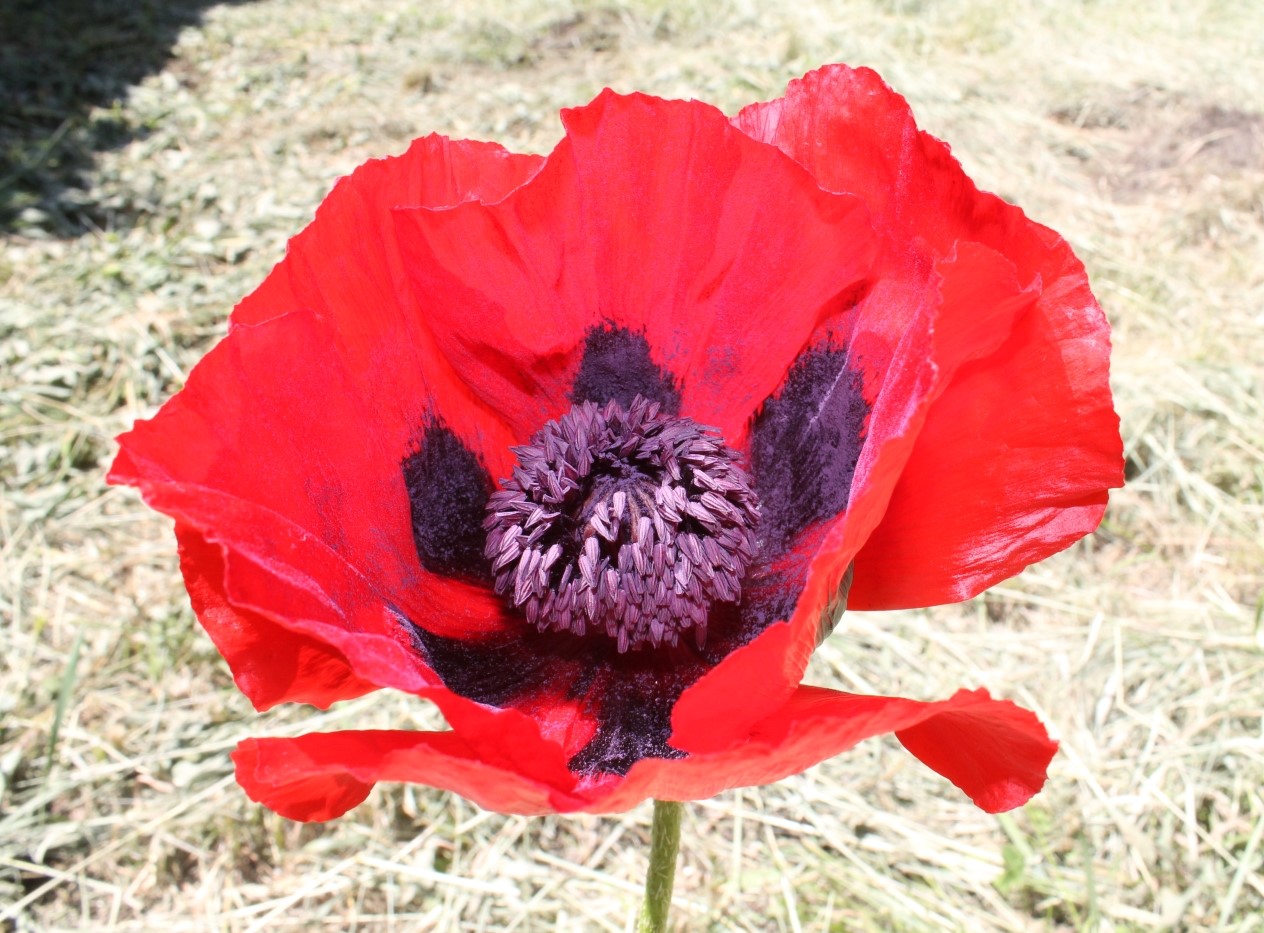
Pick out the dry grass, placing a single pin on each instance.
(1137, 129)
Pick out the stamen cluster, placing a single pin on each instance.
(628, 522)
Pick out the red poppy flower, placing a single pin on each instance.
(584, 448)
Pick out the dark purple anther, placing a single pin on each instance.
(630, 522)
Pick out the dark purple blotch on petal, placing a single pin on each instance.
(634, 722)
(768, 596)
(630, 697)
(448, 490)
(804, 446)
(635, 692)
(617, 365)
(494, 671)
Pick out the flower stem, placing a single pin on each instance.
(664, 846)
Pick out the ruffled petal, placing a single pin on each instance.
(273, 453)
(434, 172)
(996, 752)
(855, 134)
(652, 216)
(1023, 441)
(270, 567)
(320, 776)
(345, 270)
(1019, 447)
(270, 663)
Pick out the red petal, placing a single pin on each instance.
(719, 709)
(1023, 442)
(855, 134)
(434, 172)
(270, 663)
(271, 567)
(321, 776)
(996, 752)
(275, 454)
(345, 270)
(993, 750)
(1017, 451)
(652, 215)
(535, 742)
(893, 350)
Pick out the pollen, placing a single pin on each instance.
(629, 522)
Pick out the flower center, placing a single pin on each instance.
(628, 522)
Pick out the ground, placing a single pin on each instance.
(153, 168)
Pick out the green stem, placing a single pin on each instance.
(664, 846)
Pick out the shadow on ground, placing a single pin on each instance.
(59, 60)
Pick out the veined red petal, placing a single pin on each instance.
(996, 752)
(272, 568)
(855, 134)
(718, 249)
